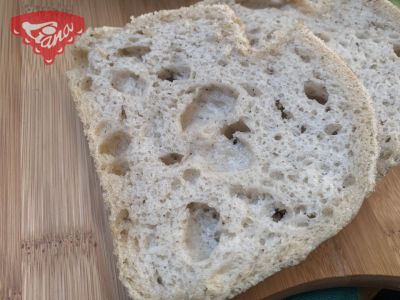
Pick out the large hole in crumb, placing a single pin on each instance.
(396, 49)
(332, 129)
(230, 130)
(212, 102)
(123, 216)
(191, 175)
(86, 83)
(349, 180)
(128, 82)
(203, 230)
(171, 158)
(102, 128)
(278, 214)
(230, 155)
(134, 51)
(174, 73)
(118, 167)
(317, 91)
(81, 56)
(115, 144)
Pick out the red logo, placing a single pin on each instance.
(47, 31)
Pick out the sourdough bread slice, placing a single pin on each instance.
(365, 33)
(220, 164)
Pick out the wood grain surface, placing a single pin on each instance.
(55, 240)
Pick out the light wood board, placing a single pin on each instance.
(55, 241)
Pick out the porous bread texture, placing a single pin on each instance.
(364, 33)
(220, 164)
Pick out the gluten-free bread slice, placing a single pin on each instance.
(220, 164)
(366, 34)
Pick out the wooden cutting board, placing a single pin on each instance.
(55, 241)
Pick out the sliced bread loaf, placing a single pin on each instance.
(220, 164)
(365, 33)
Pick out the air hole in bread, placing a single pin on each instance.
(122, 114)
(229, 130)
(317, 91)
(312, 215)
(171, 158)
(277, 137)
(270, 70)
(250, 195)
(133, 39)
(212, 102)
(323, 36)
(293, 177)
(191, 175)
(244, 63)
(300, 209)
(303, 54)
(230, 155)
(222, 62)
(254, 30)
(81, 56)
(254, 42)
(277, 175)
(118, 167)
(278, 214)
(396, 49)
(349, 180)
(128, 82)
(260, 4)
(327, 211)
(246, 222)
(86, 83)
(159, 280)
(251, 90)
(115, 144)
(174, 73)
(176, 184)
(332, 129)
(123, 216)
(203, 230)
(303, 129)
(362, 35)
(123, 235)
(134, 51)
(284, 113)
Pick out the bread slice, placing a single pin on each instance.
(220, 164)
(365, 33)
